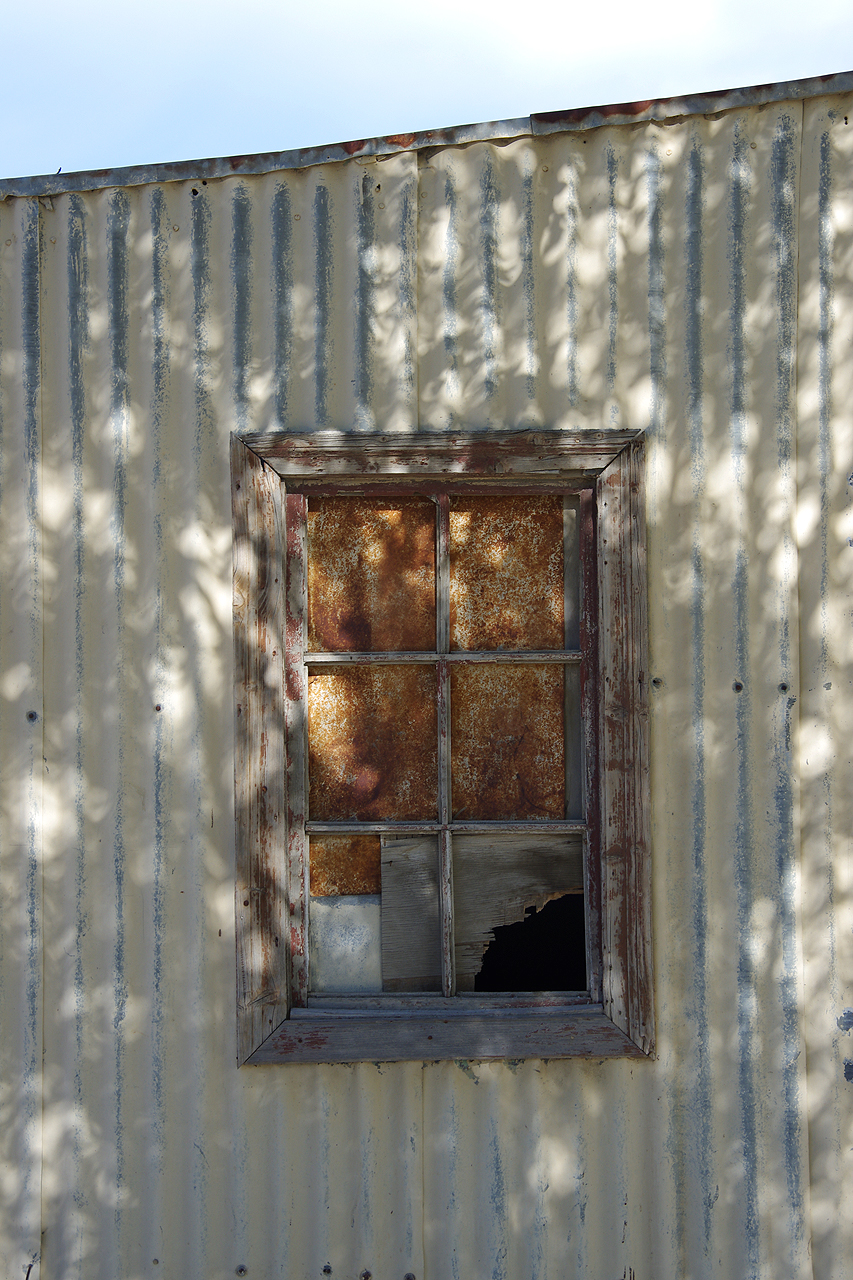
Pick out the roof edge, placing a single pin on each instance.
(539, 124)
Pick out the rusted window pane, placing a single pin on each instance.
(371, 574)
(506, 573)
(372, 743)
(346, 864)
(507, 741)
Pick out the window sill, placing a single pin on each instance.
(576, 1031)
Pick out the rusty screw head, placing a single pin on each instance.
(327, 1270)
(365, 1275)
(241, 1271)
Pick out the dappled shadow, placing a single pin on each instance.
(642, 278)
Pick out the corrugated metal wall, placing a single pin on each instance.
(694, 279)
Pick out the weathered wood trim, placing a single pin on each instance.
(445, 896)
(460, 657)
(259, 778)
(541, 453)
(624, 748)
(618, 892)
(523, 1033)
(410, 1004)
(514, 826)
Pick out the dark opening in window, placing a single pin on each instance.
(546, 951)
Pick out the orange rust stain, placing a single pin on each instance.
(506, 573)
(371, 574)
(346, 864)
(507, 741)
(372, 744)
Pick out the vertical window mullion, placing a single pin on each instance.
(445, 850)
(573, 733)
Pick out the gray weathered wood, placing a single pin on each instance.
(495, 656)
(411, 946)
(533, 826)
(534, 453)
(535, 1033)
(624, 747)
(413, 1005)
(259, 773)
(448, 921)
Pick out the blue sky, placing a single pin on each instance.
(94, 85)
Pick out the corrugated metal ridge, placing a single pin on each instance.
(538, 123)
(543, 122)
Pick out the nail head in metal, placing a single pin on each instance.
(32, 716)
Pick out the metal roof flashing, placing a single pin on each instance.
(538, 124)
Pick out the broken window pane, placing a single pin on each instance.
(507, 741)
(501, 880)
(546, 951)
(371, 574)
(372, 743)
(507, 579)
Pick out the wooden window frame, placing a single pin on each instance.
(617, 1018)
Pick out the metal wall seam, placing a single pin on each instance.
(825, 449)
(21, 729)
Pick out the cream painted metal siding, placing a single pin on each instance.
(694, 278)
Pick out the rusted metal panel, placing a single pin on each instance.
(346, 864)
(506, 573)
(371, 574)
(372, 743)
(506, 741)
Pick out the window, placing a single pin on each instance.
(441, 766)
